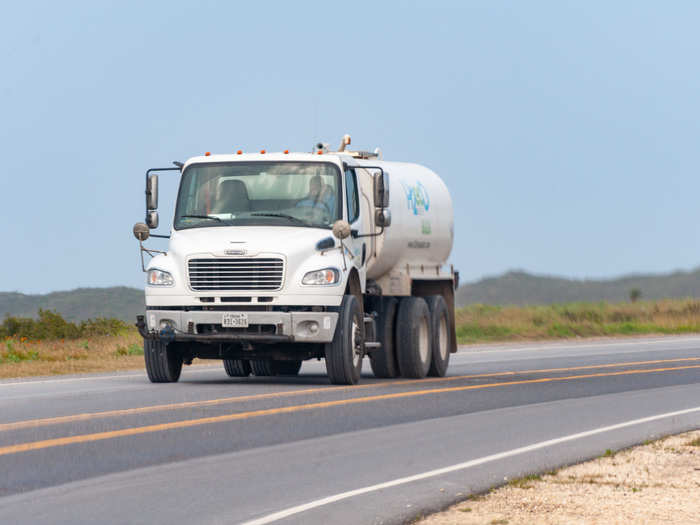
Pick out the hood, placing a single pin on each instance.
(253, 239)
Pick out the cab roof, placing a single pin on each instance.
(335, 157)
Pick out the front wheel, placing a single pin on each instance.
(344, 354)
(163, 362)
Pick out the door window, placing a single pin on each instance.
(351, 195)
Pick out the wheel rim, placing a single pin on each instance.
(423, 342)
(442, 338)
(355, 341)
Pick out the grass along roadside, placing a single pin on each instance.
(485, 323)
(21, 356)
(657, 482)
(50, 345)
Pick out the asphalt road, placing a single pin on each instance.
(212, 449)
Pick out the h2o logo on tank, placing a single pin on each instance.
(417, 197)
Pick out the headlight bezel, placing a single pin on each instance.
(320, 277)
(159, 278)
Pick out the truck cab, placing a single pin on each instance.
(275, 258)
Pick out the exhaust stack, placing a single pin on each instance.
(344, 142)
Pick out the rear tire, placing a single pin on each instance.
(344, 354)
(237, 367)
(263, 367)
(383, 360)
(272, 367)
(440, 338)
(163, 362)
(413, 337)
(288, 368)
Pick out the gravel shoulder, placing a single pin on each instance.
(658, 482)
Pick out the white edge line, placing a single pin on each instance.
(459, 466)
(465, 351)
(474, 349)
(30, 381)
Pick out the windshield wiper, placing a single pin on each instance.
(212, 217)
(283, 216)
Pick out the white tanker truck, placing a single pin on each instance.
(275, 258)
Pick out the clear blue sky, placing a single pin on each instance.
(568, 132)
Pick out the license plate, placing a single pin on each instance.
(235, 320)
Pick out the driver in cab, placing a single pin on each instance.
(320, 196)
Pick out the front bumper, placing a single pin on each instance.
(290, 327)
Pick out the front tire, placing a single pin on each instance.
(163, 362)
(413, 350)
(344, 354)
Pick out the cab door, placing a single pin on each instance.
(357, 210)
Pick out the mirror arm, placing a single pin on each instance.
(377, 234)
(160, 236)
(149, 252)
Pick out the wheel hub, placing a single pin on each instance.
(356, 341)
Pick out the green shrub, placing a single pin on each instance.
(51, 325)
(12, 355)
(475, 331)
(132, 349)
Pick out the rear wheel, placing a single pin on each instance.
(344, 354)
(237, 367)
(262, 367)
(440, 337)
(163, 362)
(288, 368)
(413, 349)
(383, 360)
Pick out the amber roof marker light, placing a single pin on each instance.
(207, 153)
(262, 152)
(239, 152)
(286, 152)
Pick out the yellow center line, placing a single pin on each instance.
(32, 423)
(99, 436)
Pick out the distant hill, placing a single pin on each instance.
(515, 287)
(518, 288)
(75, 305)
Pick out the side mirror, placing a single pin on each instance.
(382, 217)
(381, 190)
(141, 231)
(341, 229)
(152, 192)
(152, 219)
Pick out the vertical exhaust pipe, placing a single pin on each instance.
(344, 142)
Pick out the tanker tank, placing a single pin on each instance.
(422, 229)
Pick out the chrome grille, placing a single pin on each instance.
(236, 274)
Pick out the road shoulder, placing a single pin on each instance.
(653, 483)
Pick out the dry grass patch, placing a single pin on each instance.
(21, 356)
(657, 482)
(483, 323)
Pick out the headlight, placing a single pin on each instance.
(325, 276)
(159, 278)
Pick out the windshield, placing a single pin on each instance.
(259, 194)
